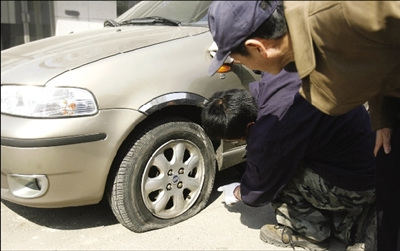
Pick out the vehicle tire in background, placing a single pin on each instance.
(166, 176)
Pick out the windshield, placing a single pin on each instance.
(184, 12)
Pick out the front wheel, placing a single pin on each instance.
(166, 177)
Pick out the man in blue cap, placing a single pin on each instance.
(344, 53)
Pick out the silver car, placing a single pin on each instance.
(115, 113)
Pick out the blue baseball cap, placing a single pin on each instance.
(231, 22)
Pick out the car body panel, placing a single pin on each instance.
(172, 75)
(134, 73)
(47, 58)
(81, 168)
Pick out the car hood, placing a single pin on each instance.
(37, 62)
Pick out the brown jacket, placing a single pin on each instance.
(347, 53)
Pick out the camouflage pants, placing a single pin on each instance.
(316, 209)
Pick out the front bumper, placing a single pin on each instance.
(71, 156)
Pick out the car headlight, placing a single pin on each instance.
(46, 102)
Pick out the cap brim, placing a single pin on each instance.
(216, 63)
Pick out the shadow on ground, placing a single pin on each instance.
(252, 217)
(67, 218)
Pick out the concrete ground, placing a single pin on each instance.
(217, 227)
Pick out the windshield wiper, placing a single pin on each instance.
(111, 23)
(149, 20)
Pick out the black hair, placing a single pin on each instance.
(226, 114)
(274, 27)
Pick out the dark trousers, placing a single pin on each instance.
(388, 195)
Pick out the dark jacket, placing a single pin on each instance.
(290, 133)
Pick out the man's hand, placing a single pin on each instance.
(383, 139)
(230, 198)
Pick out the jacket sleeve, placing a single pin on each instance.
(379, 21)
(274, 153)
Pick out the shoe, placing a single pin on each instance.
(283, 236)
(356, 247)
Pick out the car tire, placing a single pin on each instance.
(166, 176)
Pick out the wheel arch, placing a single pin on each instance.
(181, 105)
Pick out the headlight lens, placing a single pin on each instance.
(46, 102)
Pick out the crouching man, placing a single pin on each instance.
(316, 170)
